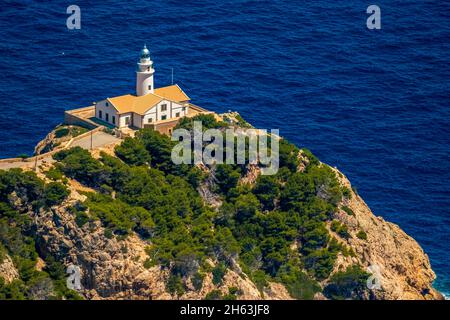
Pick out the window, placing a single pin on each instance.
(106, 117)
(114, 119)
(163, 117)
(127, 120)
(184, 109)
(150, 87)
(107, 104)
(100, 114)
(149, 120)
(164, 107)
(177, 114)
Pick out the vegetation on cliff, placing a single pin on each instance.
(58, 137)
(26, 190)
(275, 229)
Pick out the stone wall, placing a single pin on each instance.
(81, 117)
(50, 153)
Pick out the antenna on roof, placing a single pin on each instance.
(172, 76)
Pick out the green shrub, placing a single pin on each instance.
(234, 291)
(362, 235)
(61, 132)
(197, 280)
(218, 273)
(348, 284)
(348, 210)
(16, 290)
(55, 193)
(175, 285)
(104, 188)
(227, 177)
(159, 147)
(274, 253)
(27, 186)
(299, 284)
(335, 247)
(133, 152)
(288, 155)
(314, 235)
(81, 218)
(326, 184)
(247, 205)
(267, 190)
(213, 295)
(208, 122)
(260, 279)
(108, 233)
(346, 192)
(2, 253)
(334, 226)
(118, 216)
(54, 173)
(340, 229)
(148, 263)
(78, 164)
(320, 263)
(77, 130)
(303, 187)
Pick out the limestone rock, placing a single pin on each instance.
(114, 269)
(404, 267)
(7, 269)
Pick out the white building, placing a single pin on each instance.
(150, 106)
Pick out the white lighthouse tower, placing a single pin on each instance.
(144, 74)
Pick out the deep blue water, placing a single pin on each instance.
(373, 103)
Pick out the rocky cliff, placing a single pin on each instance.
(58, 137)
(404, 269)
(7, 269)
(116, 267)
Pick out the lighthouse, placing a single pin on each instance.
(144, 73)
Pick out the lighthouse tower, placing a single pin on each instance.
(144, 74)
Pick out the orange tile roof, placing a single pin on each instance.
(172, 92)
(130, 103)
(123, 103)
(143, 103)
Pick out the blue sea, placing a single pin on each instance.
(374, 103)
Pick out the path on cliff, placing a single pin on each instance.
(99, 139)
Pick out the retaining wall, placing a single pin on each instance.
(80, 117)
(50, 153)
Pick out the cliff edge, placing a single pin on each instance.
(404, 268)
(139, 228)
